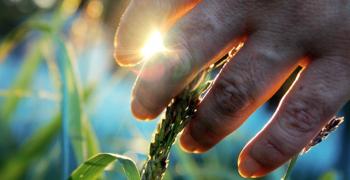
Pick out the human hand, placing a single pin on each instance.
(278, 36)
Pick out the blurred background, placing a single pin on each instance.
(64, 99)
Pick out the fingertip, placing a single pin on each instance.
(140, 111)
(127, 50)
(126, 59)
(186, 142)
(249, 168)
(189, 144)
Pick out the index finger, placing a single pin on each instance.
(140, 19)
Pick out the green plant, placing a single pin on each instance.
(71, 121)
(331, 126)
(177, 115)
(93, 167)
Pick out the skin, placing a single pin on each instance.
(277, 35)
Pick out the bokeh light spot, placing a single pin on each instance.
(45, 4)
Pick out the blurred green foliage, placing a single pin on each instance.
(94, 166)
(69, 129)
(71, 118)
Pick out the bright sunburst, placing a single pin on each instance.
(153, 45)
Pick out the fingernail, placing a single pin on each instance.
(248, 167)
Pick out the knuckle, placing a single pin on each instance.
(269, 53)
(180, 64)
(274, 149)
(270, 152)
(303, 116)
(301, 119)
(276, 52)
(233, 95)
(184, 62)
(277, 147)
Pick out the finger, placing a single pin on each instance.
(314, 99)
(191, 48)
(250, 79)
(140, 19)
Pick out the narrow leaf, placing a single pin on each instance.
(290, 167)
(34, 148)
(76, 128)
(72, 132)
(93, 167)
(10, 41)
(15, 37)
(22, 82)
(92, 145)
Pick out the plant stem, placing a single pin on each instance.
(290, 167)
(177, 115)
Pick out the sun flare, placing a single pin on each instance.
(154, 45)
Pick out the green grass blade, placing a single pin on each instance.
(92, 145)
(34, 148)
(290, 167)
(76, 127)
(71, 103)
(29, 67)
(22, 82)
(10, 41)
(93, 167)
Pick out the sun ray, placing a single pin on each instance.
(154, 45)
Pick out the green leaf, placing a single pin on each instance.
(71, 102)
(92, 145)
(290, 167)
(34, 148)
(15, 37)
(76, 127)
(29, 67)
(10, 41)
(22, 82)
(93, 167)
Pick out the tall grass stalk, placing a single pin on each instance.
(177, 115)
(330, 127)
